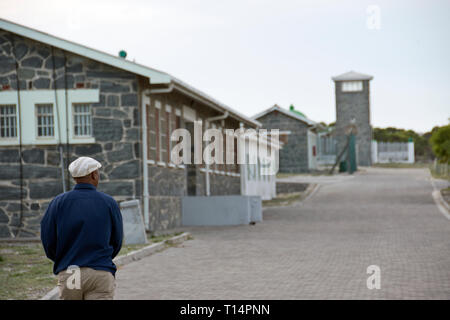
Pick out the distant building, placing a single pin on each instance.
(299, 152)
(353, 111)
(60, 100)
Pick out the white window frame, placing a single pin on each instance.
(84, 136)
(151, 129)
(26, 120)
(169, 126)
(162, 136)
(11, 138)
(46, 137)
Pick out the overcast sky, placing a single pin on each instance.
(252, 54)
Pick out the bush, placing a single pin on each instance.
(440, 142)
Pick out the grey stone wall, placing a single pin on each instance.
(166, 187)
(116, 128)
(164, 212)
(221, 185)
(354, 105)
(294, 154)
(166, 181)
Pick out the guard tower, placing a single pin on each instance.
(353, 113)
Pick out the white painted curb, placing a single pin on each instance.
(439, 200)
(315, 187)
(441, 203)
(132, 256)
(309, 192)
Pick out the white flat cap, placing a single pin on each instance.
(83, 166)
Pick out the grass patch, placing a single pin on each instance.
(285, 199)
(26, 273)
(401, 165)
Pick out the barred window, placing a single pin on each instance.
(82, 120)
(8, 121)
(45, 120)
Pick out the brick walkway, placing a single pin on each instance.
(319, 249)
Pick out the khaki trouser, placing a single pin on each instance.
(91, 285)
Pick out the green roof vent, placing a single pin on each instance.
(122, 54)
(292, 109)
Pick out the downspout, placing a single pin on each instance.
(67, 117)
(19, 120)
(61, 156)
(144, 160)
(208, 187)
(243, 168)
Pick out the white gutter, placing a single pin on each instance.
(145, 194)
(214, 104)
(221, 117)
(148, 92)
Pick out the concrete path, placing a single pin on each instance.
(319, 249)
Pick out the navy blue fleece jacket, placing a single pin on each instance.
(82, 227)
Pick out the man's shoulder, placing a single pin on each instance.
(62, 196)
(106, 197)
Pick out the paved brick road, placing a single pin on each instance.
(319, 249)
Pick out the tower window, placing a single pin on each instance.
(352, 86)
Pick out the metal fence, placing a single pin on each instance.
(442, 170)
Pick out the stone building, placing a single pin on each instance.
(60, 100)
(353, 111)
(299, 152)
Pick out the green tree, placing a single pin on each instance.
(440, 141)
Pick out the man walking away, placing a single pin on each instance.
(82, 232)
